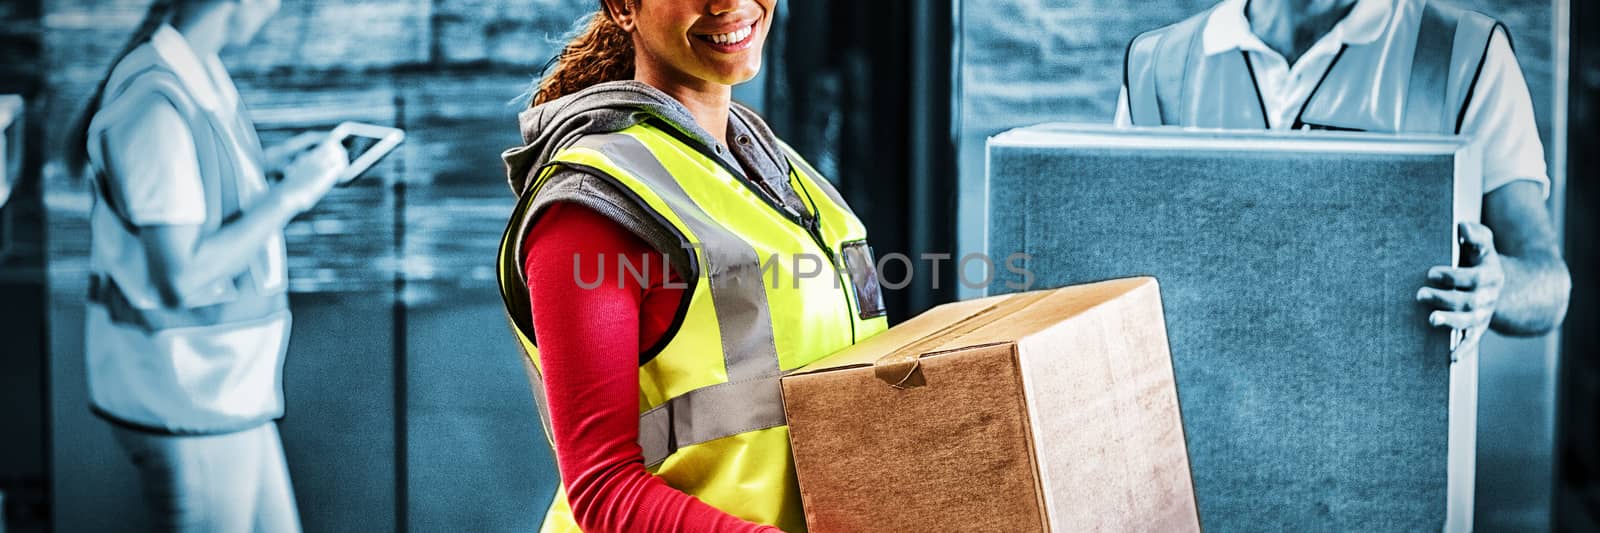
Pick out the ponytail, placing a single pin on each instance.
(601, 52)
(78, 139)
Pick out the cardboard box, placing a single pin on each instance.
(1315, 395)
(1040, 411)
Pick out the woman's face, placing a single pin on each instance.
(716, 41)
(248, 17)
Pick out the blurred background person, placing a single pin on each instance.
(188, 319)
(1330, 65)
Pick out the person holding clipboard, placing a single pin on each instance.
(188, 317)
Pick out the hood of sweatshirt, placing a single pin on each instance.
(603, 108)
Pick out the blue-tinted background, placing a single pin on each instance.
(406, 402)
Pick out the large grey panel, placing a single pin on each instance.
(1314, 396)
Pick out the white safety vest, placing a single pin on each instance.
(214, 365)
(1416, 78)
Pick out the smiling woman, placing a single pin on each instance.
(660, 391)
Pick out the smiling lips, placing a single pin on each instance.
(729, 42)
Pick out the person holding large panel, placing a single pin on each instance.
(1386, 66)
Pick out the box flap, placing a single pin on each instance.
(991, 320)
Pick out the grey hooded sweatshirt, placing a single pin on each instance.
(614, 106)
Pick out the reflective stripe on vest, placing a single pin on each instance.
(1416, 78)
(711, 420)
(103, 291)
(228, 152)
(740, 305)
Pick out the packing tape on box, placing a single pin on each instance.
(901, 368)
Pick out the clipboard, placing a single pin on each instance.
(366, 144)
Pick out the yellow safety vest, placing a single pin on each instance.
(1416, 78)
(711, 420)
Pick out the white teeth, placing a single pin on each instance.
(730, 38)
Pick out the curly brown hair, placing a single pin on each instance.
(601, 52)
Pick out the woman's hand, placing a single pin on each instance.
(279, 156)
(1465, 297)
(312, 174)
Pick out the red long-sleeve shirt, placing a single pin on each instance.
(589, 346)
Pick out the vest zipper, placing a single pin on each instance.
(815, 230)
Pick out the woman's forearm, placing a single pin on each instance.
(589, 349)
(159, 187)
(185, 259)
